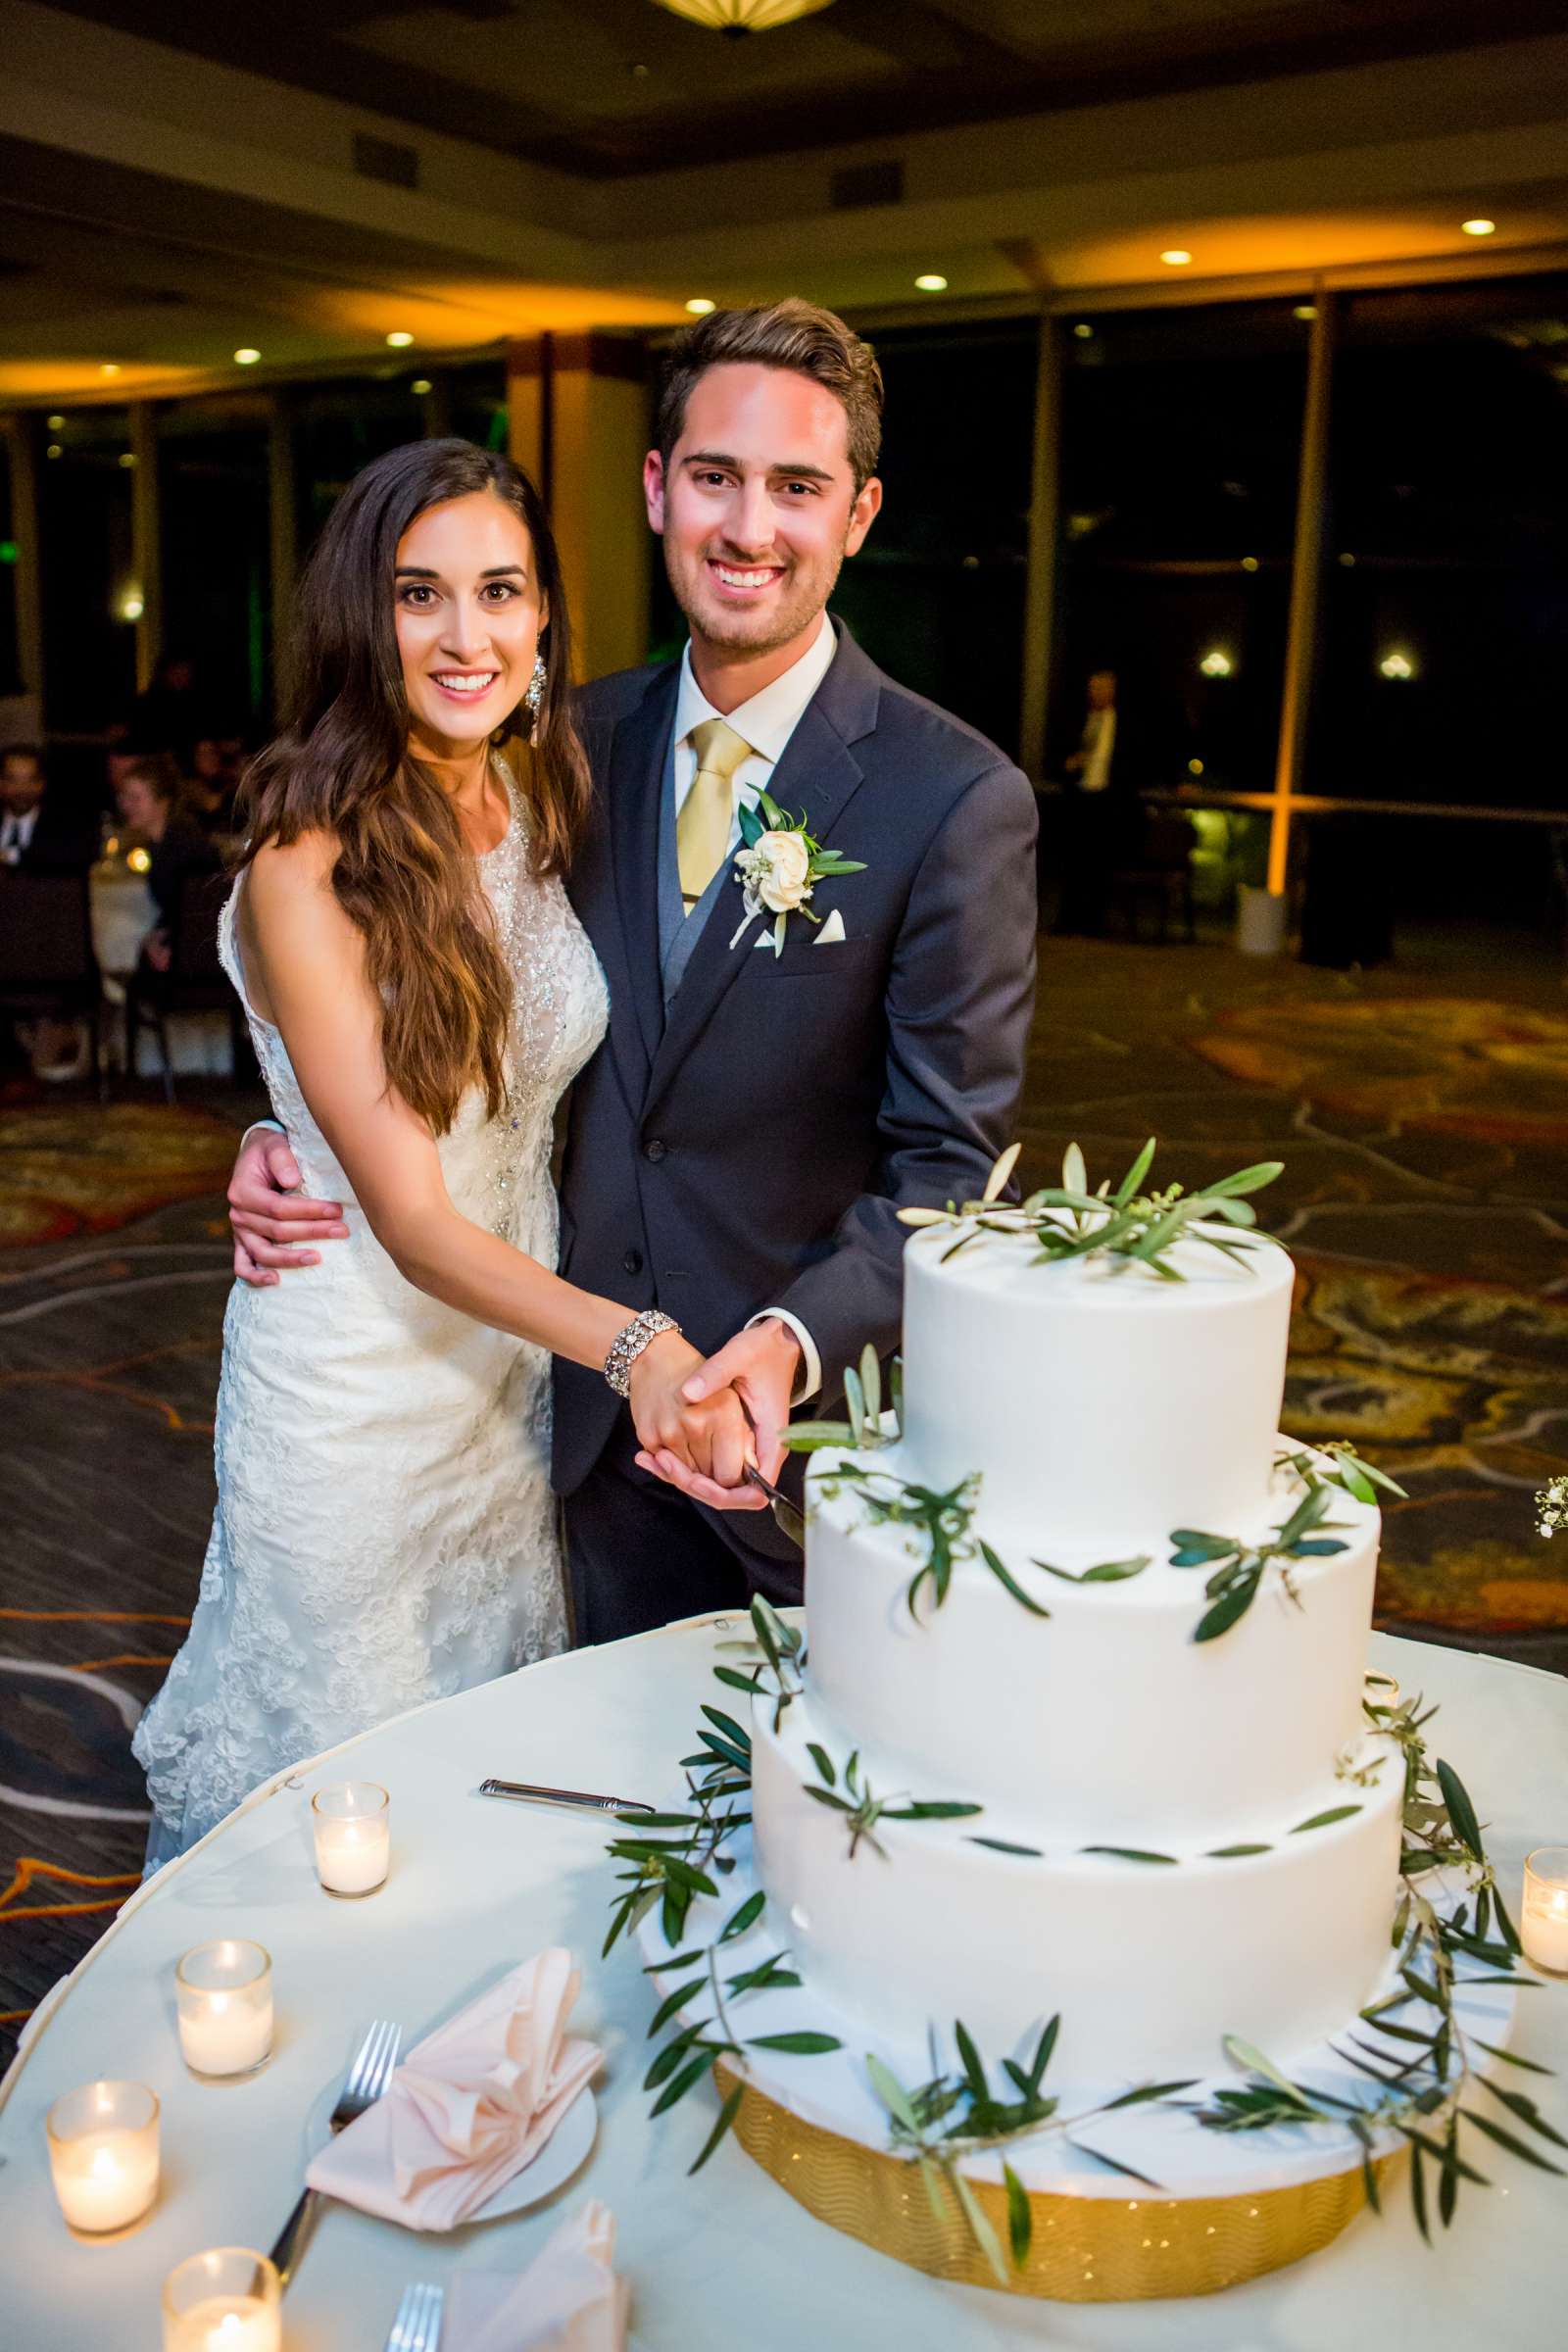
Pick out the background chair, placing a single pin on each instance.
(195, 981)
(48, 969)
(1158, 874)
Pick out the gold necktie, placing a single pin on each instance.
(703, 828)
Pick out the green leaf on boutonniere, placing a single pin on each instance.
(752, 826)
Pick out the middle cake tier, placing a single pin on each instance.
(903, 1921)
(1107, 1721)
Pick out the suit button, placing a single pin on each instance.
(655, 1151)
(633, 1262)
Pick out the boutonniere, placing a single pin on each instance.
(779, 865)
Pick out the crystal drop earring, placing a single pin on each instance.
(535, 694)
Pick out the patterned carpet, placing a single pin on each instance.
(1420, 1115)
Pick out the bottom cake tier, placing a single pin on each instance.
(1151, 1959)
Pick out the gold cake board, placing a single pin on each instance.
(1102, 2249)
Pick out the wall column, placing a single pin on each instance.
(527, 408)
(1040, 589)
(1307, 585)
(146, 540)
(598, 431)
(284, 553)
(23, 449)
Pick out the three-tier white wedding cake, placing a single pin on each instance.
(1174, 1838)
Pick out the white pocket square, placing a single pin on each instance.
(831, 932)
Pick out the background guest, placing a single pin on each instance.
(213, 783)
(38, 833)
(170, 715)
(150, 804)
(1095, 812)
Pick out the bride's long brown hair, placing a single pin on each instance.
(404, 874)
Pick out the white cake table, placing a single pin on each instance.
(725, 2262)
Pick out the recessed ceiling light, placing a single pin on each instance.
(1217, 664)
(420, 385)
(1082, 331)
(54, 450)
(246, 356)
(55, 424)
(700, 306)
(127, 458)
(1396, 666)
(1176, 256)
(1478, 228)
(1249, 562)
(931, 282)
(1304, 310)
(401, 339)
(108, 367)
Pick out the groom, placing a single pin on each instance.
(739, 1147)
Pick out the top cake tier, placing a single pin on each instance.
(1100, 1403)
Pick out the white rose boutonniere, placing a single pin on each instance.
(778, 866)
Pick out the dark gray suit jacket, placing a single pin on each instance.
(751, 1146)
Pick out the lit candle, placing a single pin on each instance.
(102, 2154)
(224, 1993)
(1544, 1926)
(224, 2301)
(353, 1837)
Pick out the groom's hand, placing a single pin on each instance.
(761, 1365)
(268, 1215)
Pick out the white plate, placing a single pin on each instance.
(563, 2152)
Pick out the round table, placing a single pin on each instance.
(725, 2262)
(124, 911)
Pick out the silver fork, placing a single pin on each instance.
(418, 2325)
(366, 2079)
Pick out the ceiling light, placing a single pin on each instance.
(737, 17)
(931, 282)
(400, 341)
(1082, 331)
(1396, 666)
(420, 386)
(1176, 258)
(246, 356)
(1304, 310)
(1478, 228)
(1194, 767)
(1348, 562)
(55, 424)
(700, 306)
(54, 450)
(127, 458)
(1249, 562)
(1216, 664)
(132, 607)
(108, 367)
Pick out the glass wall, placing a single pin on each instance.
(1180, 446)
(213, 499)
(92, 598)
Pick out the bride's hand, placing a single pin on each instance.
(712, 1437)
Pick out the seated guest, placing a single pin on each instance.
(150, 805)
(37, 833)
(213, 783)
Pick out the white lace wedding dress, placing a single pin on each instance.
(384, 1532)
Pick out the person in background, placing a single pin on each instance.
(1092, 814)
(169, 715)
(213, 783)
(38, 836)
(151, 807)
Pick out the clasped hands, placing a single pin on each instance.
(698, 1423)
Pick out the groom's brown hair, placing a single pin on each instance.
(794, 334)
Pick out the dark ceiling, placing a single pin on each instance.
(605, 89)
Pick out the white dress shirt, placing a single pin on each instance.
(766, 721)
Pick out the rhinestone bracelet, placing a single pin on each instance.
(629, 1344)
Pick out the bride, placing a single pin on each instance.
(421, 995)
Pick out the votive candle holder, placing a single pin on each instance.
(1543, 1912)
(102, 2154)
(226, 2300)
(225, 1995)
(353, 1837)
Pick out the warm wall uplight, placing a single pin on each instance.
(1479, 229)
(1215, 663)
(1176, 258)
(108, 367)
(930, 282)
(700, 306)
(400, 341)
(1396, 666)
(246, 356)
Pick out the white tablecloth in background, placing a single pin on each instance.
(725, 2262)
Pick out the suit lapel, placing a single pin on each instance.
(634, 791)
(818, 775)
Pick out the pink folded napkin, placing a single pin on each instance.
(568, 2300)
(471, 2106)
